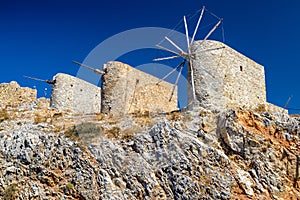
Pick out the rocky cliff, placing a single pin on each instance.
(189, 154)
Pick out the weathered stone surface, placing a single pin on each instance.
(181, 155)
(232, 80)
(128, 90)
(12, 95)
(76, 95)
(43, 103)
(267, 146)
(245, 181)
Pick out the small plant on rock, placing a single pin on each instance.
(260, 108)
(85, 132)
(114, 132)
(3, 115)
(10, 192)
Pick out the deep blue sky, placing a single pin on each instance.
(40, 38)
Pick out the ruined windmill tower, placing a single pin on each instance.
(220, 77)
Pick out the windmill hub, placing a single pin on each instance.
(186, 55)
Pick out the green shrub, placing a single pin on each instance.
(70, 186)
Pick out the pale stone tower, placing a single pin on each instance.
(128, 90)
(233, 79)
(74, 94)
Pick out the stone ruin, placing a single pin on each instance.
(124, 90)
(74, 94)
(128, 90)
(234, 81)
(12, 95)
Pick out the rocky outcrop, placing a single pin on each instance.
(193, 154)
(266, 147)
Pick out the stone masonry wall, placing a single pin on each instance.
(71, 93)
(128, 90)
(12, 95)
(240, 80)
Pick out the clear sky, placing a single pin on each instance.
(40, 38)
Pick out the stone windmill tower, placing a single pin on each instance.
(219, 76)
(191, 58)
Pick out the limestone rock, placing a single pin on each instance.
(258, 141)
(200, 154)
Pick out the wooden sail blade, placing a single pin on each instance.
(190, 65)
(176, 82)
(177, 47)
(198, 23)
(41, 80)
(287, 102)
(97, 71)
(36, 79)
(166, 58)
(206, 71)
(213, 29)
(171, 72)
(186, 33)
(166, 49)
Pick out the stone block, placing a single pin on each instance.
(128, 90)
(74, 94)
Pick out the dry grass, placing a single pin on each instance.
(84, 132)
(260, 108)
(10, 192)
(174, 116)
(114, 132)
(3, 115)
(39, 118)
(100, 116)
(295, 115)
(143, 119)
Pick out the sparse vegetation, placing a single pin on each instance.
(72, 133)
(38, 118)
(57, 115)
(3, 115)
(143, 118)
(69, 186)
(174, 116)
(114, 132)
(203, 113)
(260, 108)
(84, 131)
(100, 116)
(295, 115)
(130, 132)
(10, 192)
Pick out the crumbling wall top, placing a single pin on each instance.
(12, 95)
